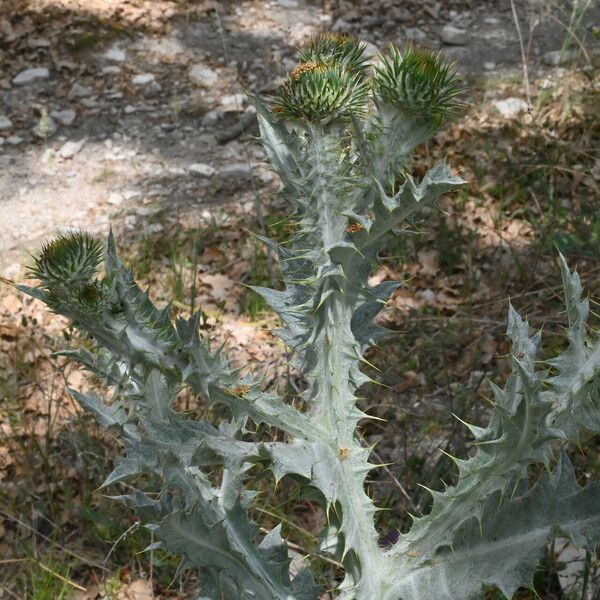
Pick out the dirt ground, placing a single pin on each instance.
(139, 92)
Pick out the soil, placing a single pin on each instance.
(142, 134)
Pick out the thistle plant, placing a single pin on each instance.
(340, 135)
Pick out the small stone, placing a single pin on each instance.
(143, 79)
(288, 3)
(371, 50)
(236, 171)
(203, 75)
(489, 66)
(153, 229)
(29, 76)
(115, 54)
(428, 295)
(129, 109)
(111, 70)
(212, 118)
(5, 123)
(64, 117)
(232, 102)
(131, 194)
(14, 140)
(414, 34)
(115, 198)
(202, 170)
(80, 91)
(340, 26)
(510, 107)
(454, 36)
(69, 149)
(266, 176)
(556, 58)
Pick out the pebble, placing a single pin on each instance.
(288, 3)
(454, 36)
(129, 109)
(212, 118)
(510, 107)
(29, 76)
(143, 79)
(371, 50)
(203, 75)
(70, 149)
(64, 117)
(111, 70)
(556, 58)
(115, 54)
(414, 33)
(115, 198)
(153, 229)
(131, 194)
(232, 102)
(489, 66)
(202, 170)
(5, 123)
(14, 140)
(80, 91)
(236, 171)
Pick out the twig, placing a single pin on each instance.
(523, 54)
(396, 481)
(574, 36)
(59, 576)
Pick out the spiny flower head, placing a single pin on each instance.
(69, 259)
(419, 83)
(336, 48)
(321, 94)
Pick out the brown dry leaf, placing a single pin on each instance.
(138, 589)
(428, 260)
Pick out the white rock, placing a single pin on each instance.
(115, 198)
(266, 176)
(557, 58)
(115, 54)
(371, 49)
(288, 3)
(14, 140)
(212, 118)
(510, 107)
(70, 149)
(80, 91)
(203, 75)
(428, 295)
(111, 70)
(233, 102)
(130, 194)
(65, 117)
(143, 79)
(202, 170)
(5, 123)
(153, 229)
(454, 36)
(489, 66)
(236, 171)
(129, 109)
(414, 33)
(29, 76)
